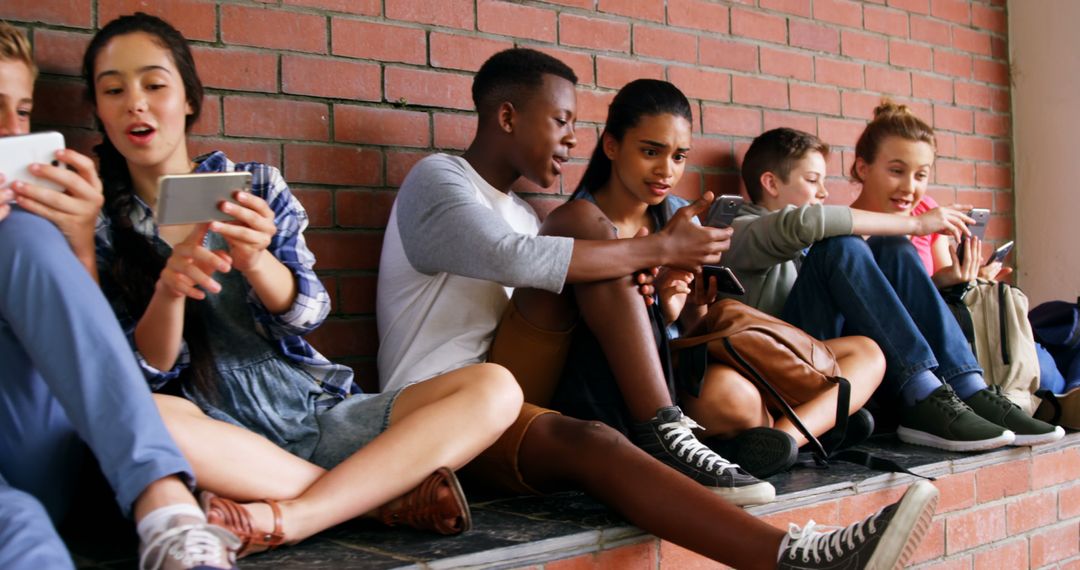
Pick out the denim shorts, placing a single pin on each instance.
(350, 425)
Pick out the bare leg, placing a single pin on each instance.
(728, 403)
(560, 452)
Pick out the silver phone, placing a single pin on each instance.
(195, 198)
(19, 152)
(978, 229)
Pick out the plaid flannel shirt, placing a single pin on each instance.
(308, 310)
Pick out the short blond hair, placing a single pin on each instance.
(14, 45)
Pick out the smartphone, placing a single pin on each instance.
(978, 229)
(726, 282)
(1000, 253)
(19, 152)
(194, 198)
(724, 210)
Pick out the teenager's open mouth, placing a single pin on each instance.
(658, 189)
(901, 204)
(557, 162)
(140, 133)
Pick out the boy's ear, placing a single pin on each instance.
(506, 115)
(611, 146)
(770, 184)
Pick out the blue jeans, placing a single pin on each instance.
(68, 377)
(878, 288)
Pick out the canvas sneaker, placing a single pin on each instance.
(668, 437)
(761, 451)
(992, 405)
(883, 541)
(188, 543)
(943, 421)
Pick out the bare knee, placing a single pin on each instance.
(728, 404)
(497, 394)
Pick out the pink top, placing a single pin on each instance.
(925, 244)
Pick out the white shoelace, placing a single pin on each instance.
(687, 445)
(190, 545)
(828, 541)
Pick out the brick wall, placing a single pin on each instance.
(345, 95)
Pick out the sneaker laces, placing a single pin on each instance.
(827, 542)
(999, 398)
(951, 403)
(190, 545)
(687, 446)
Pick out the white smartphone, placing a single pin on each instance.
(19, 152)
(194, 198)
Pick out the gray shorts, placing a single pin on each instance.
(350, 425)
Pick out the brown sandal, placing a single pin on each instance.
(231, 515)
(438, 505)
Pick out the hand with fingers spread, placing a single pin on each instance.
(690, 245)
(249, 234)
(949, 220)
(961, 271)
(192, 266)
(995, 271)
(74, 211)
(673, 287)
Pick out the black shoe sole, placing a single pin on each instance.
(760, 451)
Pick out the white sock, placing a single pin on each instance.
(158, 520)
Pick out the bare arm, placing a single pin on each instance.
(943, 219)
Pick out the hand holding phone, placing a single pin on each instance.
(978, 229)
(195, 198)
(726, 282)
(724, 210)
(17, 153)
(1000, 253)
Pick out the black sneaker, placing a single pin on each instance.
(760, 451)
(667, 437)
(944, 422)
(882, 541)
(992, 405)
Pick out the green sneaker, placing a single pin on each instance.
(944, 422)
(992, 405)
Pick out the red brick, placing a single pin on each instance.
(1012, 554)
(931, 87)
(999, 48)
(344, 250)
(675, 556)
(65, 12)
(858, 105)
(325, 164)
(580, 62)
(592, 106)
(814, 99)
(368, 40)
(856, 507)
(932, 545)
(946, 142)
(728, 120)
(652, 11)
(209, 122)
(785, 63)
(711, 152)
(273, 28)
(665, 43)
(974, 528)
(641, 556)
(843, 12)
(580, 31)
(571, 177)
(827, 513)
(363, 208)
(887, 80)
(358, 294)
(975, 148)
(991, 124)
(60, 103)
(361, 7)
(728, 55)
(954, 173)
(836, 72)
(930, 31)
(972, 95)
(977, 199)
(616, 72)
(450, 13)
(952, 119)
(587, 136)
(339, 337)
(990, 71)
(813, 37)
(1003, 480)
(1031, 511)
(701, 84)
(393, 127)
(1000, 100)
(1055, 543)
(1002, 149)
(698, 14)
(759, 26)
(990, 176)
(972, 41)
(454, 131)
(916, 6)
(237, 150)
(987, 18)
(958, 11)
(235, 68)
(318, 204)
(839, 131)
(59, 52)
(962, 563)
(951, 63)
(906, 54)
(334, 78)
(796, 7)
(1000, 228)
(463, 52)
(431, 88)
(195, 19)
(262, 117)
(863, 46)
(755, 91)
(1069, 502)
(509, 19)
(398, 165)
(885, 21)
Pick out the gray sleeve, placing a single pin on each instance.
(760, 242)
(444, 228)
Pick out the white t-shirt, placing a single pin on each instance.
(454, 249)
